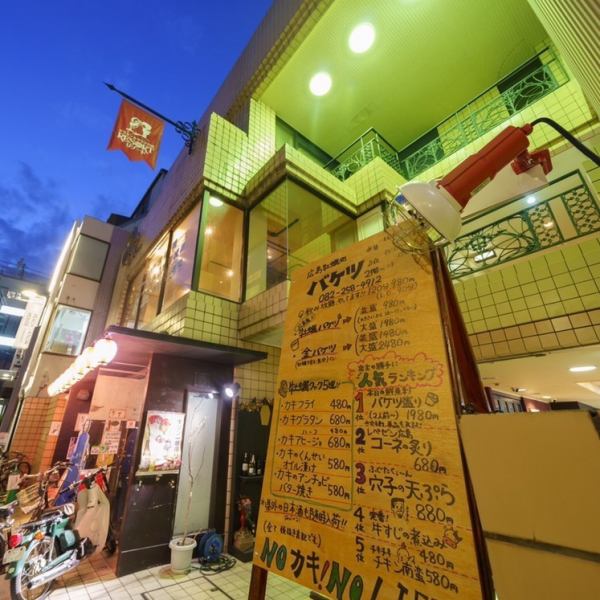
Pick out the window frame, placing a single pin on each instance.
(74, 252)
(168, 236)
(284, 180)
(200, 247)
(53, 321)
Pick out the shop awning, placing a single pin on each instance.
(135, 345)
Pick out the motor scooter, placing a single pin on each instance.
(41, 551)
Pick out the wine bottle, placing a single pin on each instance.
(252, 465)
(259, 467)
(245, 464)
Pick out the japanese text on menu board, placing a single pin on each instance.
(364, 494)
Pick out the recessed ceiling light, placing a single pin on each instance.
(208, 231)
(549, 224)
(320, 83)
(361, 38)
(215, 202)
(530, 199)
(582, 369)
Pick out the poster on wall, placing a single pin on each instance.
(364, 492)
(161, 446)
(80, 421)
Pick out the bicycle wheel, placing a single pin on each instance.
(36, 558)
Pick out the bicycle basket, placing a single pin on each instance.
(29, 498)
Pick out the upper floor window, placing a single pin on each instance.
(290, 228)
(88, 257)
(222, 245)
(133, 301)
(153, 281)
(68, 330)
(182, 254)
(166, 274)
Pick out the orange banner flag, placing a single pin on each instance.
(137, 133)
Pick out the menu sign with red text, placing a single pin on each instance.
(364, 494)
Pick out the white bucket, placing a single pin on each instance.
(181, 555)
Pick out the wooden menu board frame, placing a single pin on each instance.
(468, 395)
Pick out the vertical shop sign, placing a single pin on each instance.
(364, 494)
(30, 320)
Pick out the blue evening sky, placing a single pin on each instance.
(57, 115)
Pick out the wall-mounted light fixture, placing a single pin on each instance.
(231, 390)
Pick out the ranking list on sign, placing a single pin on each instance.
(364, 494)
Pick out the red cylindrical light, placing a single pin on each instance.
(462, 182)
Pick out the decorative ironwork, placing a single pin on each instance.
(360, 153)
(523, 232)
(187, 129)
(471, 124)
(544, 224)
(583, 210)
(497, 243)
(465, 126)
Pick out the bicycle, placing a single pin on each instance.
(12, 466)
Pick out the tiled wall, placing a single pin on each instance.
(550, 285)
(542, 302)
(47, 445)
(31, 427)
(264, 312)
(375, 179)
(542, 290)
(233, 156)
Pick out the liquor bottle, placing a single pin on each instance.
(252, 465)
(245, 464)
(259, 467)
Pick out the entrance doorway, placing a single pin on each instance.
(197, 460)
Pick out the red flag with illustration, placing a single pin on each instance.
(137, 133)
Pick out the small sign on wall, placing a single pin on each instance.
(80, 422)
(54, 428)
(116, 414)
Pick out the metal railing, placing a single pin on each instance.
(570, 214)
(361, 152)
(457, 131)
(470, 123)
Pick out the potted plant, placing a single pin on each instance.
(182, 547)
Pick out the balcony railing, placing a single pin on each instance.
(465, 126)
(471, 122)
(361, 152)
(549, 218)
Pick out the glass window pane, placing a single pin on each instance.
(181, 258)
(68, 330)
(222, 250)
(88, 258)
(290, 228)
(153, 276)
(133, 299)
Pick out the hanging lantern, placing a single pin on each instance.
(104, 351)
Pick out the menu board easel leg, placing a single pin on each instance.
(469, 396)
(258, 583)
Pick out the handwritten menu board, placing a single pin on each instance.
(364, 494)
